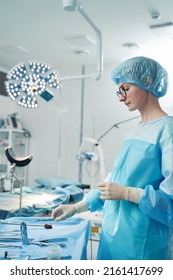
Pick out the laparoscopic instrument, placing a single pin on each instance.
(46, 226)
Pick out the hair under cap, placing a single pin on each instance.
(144, 72)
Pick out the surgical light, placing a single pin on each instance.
(26, 82)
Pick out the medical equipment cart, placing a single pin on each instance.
(95, 219)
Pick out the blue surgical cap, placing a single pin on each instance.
(144, 72)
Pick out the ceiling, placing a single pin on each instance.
(39, 30)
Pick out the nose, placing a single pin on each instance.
(122, 98)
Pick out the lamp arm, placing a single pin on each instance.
(99, 43)
(98, 73)
(115, 125)
(106, 132)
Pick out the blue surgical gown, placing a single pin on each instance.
(141, 231)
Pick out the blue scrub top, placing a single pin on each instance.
(141, 231)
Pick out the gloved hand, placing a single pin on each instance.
(113, 191)
(63, 211)
(66, 211)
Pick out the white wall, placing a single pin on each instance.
(101, 111)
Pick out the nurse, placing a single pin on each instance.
(137, 198)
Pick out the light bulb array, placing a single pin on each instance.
(26, 82)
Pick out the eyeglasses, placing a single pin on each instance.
(121, 92)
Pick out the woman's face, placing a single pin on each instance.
(132, 96)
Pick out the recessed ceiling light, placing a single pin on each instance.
(15, 49)
(131, 45)
(82, 52)
(81, 40)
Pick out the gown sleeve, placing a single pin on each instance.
(93, 200)
(158, 203)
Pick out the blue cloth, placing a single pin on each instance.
(144, 72)
(140, 232)
(37, 199)
(73, 233)
(54, 181)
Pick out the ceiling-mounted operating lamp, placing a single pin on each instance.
(26, 81)
(73, 5)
